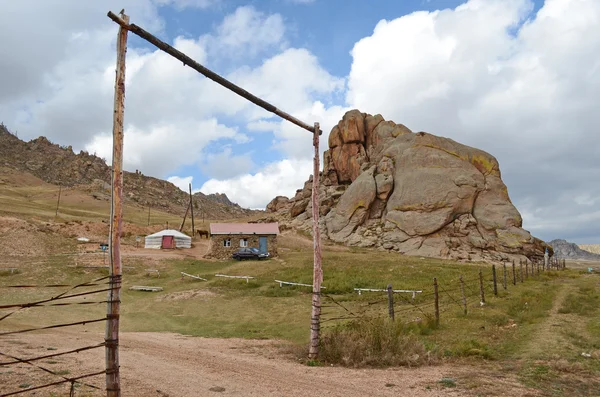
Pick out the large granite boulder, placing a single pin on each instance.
(416, 193)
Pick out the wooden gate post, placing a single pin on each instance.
(111, 337)
(315, 318)
(390, 292)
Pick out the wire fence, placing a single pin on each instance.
(68, 297)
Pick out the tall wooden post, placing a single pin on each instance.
(192, 207)
(315, 318)
(111, 337)
(390, 292)
(184, 217)
(58, 201)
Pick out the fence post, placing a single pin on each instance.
(504, 267)
(526, 269)
(514, 273)
(564, 263)
(315, 318)
(495, 281)
(464, 297)
(390, 292)
(436, 302)
(481, 292)
(111, 336)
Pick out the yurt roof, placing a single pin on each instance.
(169, 232)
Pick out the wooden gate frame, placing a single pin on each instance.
(112, 325)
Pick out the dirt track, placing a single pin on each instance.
(164, 364)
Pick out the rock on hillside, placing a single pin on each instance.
(565, 250)
(59, 165)
(386, 187)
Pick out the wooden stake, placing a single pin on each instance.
(315, 319)
(436, 301)
(192, 207)
(504, 284)
(514, 273)
(390, 292)
(495, 280)
(111, 337)
(481, 291)
(464, 297)
(58, 201)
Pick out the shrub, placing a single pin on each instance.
(374, 342)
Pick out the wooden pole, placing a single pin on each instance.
(481, 291)
(192, 207)
(187, 61)
(184, 217)
(315, 319)
(514, 273)
(111, 338)
(464, 297)
(436, 296)
(504, 284)
(495, 280)
(58, 201)
(526, 269)
(390, 293)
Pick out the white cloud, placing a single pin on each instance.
(225, 165)
(490, 74)
(256, 190)
(181, 182)
(246, 32)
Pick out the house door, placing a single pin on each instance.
(168, 242)
(262, 244)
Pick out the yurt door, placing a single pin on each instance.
(168, 242)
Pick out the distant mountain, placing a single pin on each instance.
(565, 250)
(593, 248)
(59, 165)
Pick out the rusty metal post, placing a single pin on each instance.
(315, 318)
(111, 338)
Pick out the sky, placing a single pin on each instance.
(519, 79)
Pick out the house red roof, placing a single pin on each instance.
(244, 228)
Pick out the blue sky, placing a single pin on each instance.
(517, 78)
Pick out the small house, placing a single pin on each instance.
(168, 239)
(226, 238)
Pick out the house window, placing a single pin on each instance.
(243, 242)
(227, 242)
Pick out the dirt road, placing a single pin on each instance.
(163, 364)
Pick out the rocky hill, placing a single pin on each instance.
(384, 186)
(61, 166)
(593, 248)
(565, 250)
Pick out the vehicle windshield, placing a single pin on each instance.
(255, 250)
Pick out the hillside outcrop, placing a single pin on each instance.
(384, 186)
(59, 165)
(566, 250)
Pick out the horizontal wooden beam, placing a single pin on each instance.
(133, 28)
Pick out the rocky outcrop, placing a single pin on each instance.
(415, 193)
(565, 250)
(60, 165)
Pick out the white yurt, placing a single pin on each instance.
(168, 239)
